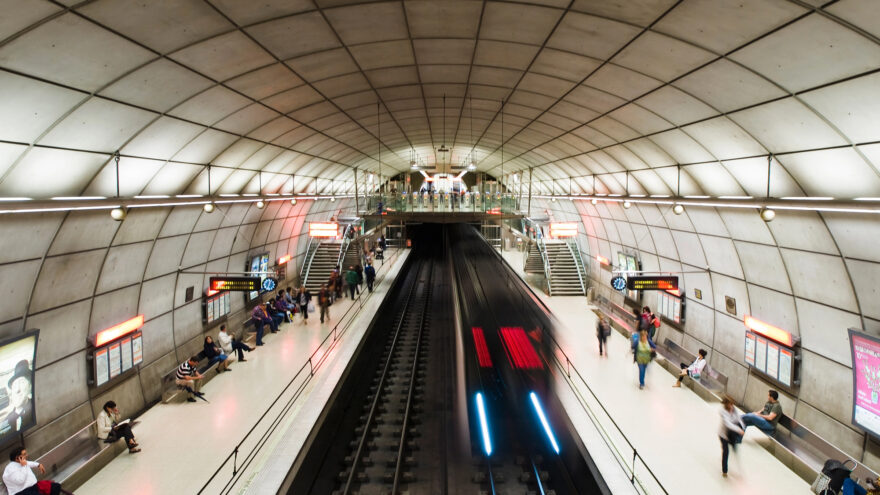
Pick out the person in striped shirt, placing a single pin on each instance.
(189, 378)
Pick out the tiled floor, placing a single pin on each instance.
(183, 443)
(674, 430)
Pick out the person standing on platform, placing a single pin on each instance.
(302, 299)
(360, 274)
(324, 302)
(765, 419)
(351, 278)
(230, 345)
(603, 330)
(730, 432)
(644, 352)
(370, 274)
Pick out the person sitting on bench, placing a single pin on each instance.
(230, 344)
(214, 354)
(19, 476)
(110, 429)
(765, 419)
(694, 370)
(189, 378)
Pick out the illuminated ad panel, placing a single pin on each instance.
(326, 230)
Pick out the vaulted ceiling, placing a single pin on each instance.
(686, 97)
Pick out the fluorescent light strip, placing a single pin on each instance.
(484, 425)
(77, 198)
(188, 196)
(229, 195)
(15, 199)
(697, 197)
(250, 195)
(659, 195)
(615, 195)
(637, 195)
(47, 210)
(867, 199)
(153, 196)
(544, 421)
(735, 197)
(807, 198)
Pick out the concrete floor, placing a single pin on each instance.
(183, 443)
(674, 430)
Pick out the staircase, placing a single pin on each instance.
(492, 233)
(534, 263)
(352, 255)
(323, 262)
(565, 278)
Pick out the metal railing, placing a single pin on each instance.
(545, 258)
(307, 260)
(346, 242)
(258, 436)
(579, 262)
(622, 448)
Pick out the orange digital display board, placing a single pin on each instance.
(324, 229)
(652, 283)
(246, 284)
(563, 229)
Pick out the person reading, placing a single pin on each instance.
(111, 429)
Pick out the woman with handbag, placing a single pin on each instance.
(731, 431)
(644, 351)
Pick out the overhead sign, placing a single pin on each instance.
(652, 283)
(324, 229)
(563, 229)
(242, 284)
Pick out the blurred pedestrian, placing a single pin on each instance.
(730, 432)
(645, 353)
(603, 330)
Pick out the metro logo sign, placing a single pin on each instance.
(563, 229)
(327, 230)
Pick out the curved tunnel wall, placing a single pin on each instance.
(811, 274)
(74, 274)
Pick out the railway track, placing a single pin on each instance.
(380, 459)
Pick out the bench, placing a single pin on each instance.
(805, 452)
(81, 456)
(714, 381)
(170, 390)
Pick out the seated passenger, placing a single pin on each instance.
(188, 378)
(230, 344)
(767, 418)
(214, 354)
(261, 318)
(273, 313)
(19, 476)
(282, 308)
(110, 429)
(694, 370)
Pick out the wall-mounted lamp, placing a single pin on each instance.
(118, 214)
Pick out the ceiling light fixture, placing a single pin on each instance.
(443, 148)
(118, 214)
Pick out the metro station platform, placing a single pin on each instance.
(673, 429)
(185, 443)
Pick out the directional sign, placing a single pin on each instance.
(651, 283)
(245, 284)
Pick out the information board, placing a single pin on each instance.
(102, 367)
(115, 360)
(241, 284)
(137, 348)
(750, 349)
(670, 307)
(651, 283)
(785, 356)
(126, 354)
(761, 355)
(772, 361)
(216, 307)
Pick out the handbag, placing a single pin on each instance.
(820, 485)
(831, 478)
(311, 307)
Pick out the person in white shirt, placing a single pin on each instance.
(110, 430)
(730, 432)
(695, 370)
(229, 344)
(19, 476)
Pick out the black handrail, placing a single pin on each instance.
(526, 294)
(312, 364)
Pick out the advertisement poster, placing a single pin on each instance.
(126, 355)
(785, 367)
(137, 349)
(866, 377)
(115, 361)
(102, 367)
(17, 386)
(773, 360)
(209, 307)
(761, 354)
(750, 349)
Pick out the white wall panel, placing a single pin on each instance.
(746, 225)
(763, 266)
(124, 265)
(721, 255)
(63, 331)
(824, 330)
(865, 276)
(773, 307)
(802, 230)
(820, 277)
(157, 296)
(180, 221)
(166, 255)
(197, 248)
(19, 278)
(730, 287)
(64, 279)
(113, 308)
(689, 248)
(62, 387)
(857, 236)
(27, 236)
